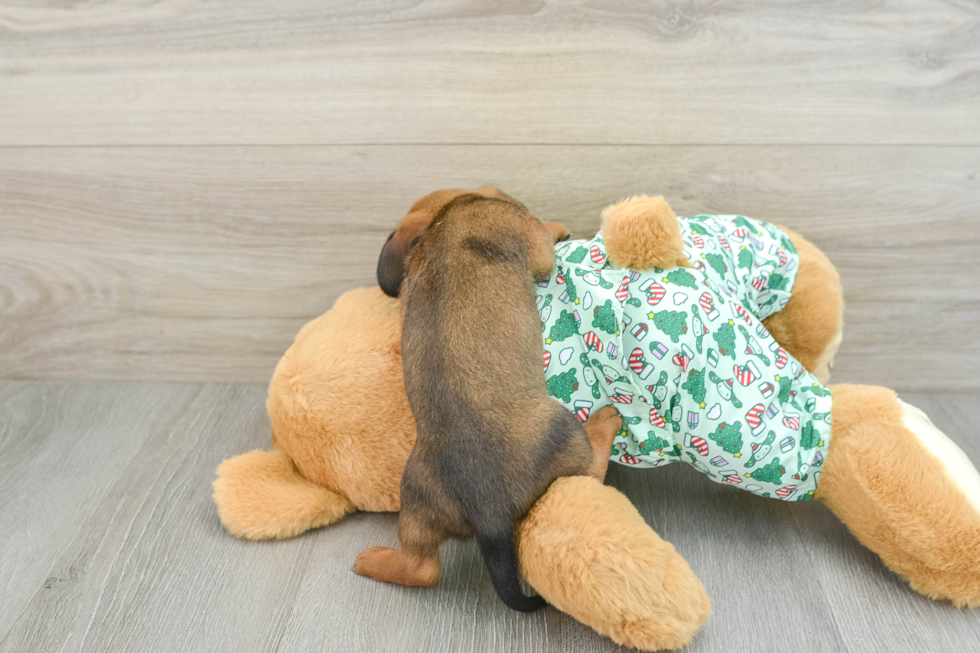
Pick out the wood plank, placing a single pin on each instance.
(202, 263)
(760, 71)
(62, 447)
(150, 569)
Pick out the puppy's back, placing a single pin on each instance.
(490, 440)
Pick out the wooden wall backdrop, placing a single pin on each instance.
(184, 183)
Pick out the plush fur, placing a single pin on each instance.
(571, 550)
(339, 390)
(642, 233)
(261, 495)
(891, 491)
(898, 498)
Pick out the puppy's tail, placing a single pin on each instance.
(501, 560)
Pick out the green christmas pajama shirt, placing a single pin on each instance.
(684, 356)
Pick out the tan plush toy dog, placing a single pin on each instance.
(901, 486)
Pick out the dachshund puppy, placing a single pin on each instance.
(391, 264)
(490, 440)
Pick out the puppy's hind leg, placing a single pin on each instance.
(602, 427)
(417, 563)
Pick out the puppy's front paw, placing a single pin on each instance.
(603, 424)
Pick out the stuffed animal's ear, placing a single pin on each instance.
(643, 233)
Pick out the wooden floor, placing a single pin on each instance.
(184, 183)
(109, 541)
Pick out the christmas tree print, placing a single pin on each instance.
(716, 261)
(729, 438)
(778, 281)
(809, 437)
(771, 473)
(725, 337)
(681, 277)
(698, 229)
(695, 385)
(563, 328)
(578, 255)
(817, 389)
(785, 387)
(653, 443)
(740, 221)
(745, 258)
(570, 289)
(563, 385)
(672, 323)
(605, 318)
(787, 244)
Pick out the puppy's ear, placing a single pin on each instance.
(391, 266)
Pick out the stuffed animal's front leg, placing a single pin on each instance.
(906, 491)
(587, 550)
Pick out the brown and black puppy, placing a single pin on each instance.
(391, 264)
(490, 440)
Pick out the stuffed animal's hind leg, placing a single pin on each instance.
(810, 326)
(906, 491)
(261, 495)
(417, 563)
(601, 428)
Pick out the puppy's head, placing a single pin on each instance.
(391, 264)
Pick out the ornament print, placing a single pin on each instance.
(683, 355)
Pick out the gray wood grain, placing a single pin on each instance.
(202, 263)
(61, 448)
(128, 553)
(611, 71)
